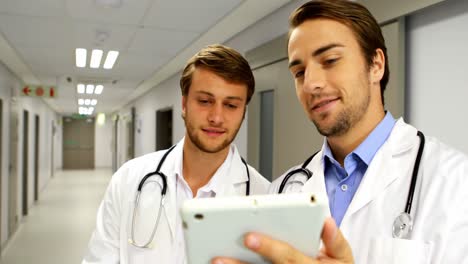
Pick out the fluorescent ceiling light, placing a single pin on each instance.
(89, 89)
(94, 102)
(110, 59)
(90, 110)
(80, 102)
(82, 110)
(96, 56)
(99, 89)
(87, 102)
(80, 57)
(80, 88)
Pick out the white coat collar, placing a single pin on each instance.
(230, 174)
(381, 172)
(226, 185)
(169, 169)
(236, 175)
(316, 184)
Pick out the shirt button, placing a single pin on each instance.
(344, 187)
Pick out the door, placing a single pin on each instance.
(52, 143)
(131, 135)
(25, 160)
(1, 160)
(130, 127)
(78, 143)
(163, 129)
(13, 169)
(266, 133)
(36, 157)
(114, 144)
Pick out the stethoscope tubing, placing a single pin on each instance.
(163, 195)
(303, 169)
(161, 202)
(409, 201)
(414, 177)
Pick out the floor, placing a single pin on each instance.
(59, 225)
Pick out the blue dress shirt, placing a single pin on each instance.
(342, 183)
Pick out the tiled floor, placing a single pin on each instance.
(58, 227)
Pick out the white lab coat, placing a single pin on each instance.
(439, 210)
(109, 242)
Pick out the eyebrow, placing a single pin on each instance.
(316, 53)
(228, 98)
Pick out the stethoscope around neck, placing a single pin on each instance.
(403, 224)
(163, 177)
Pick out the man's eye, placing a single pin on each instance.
(330, 62)
(203, 101)
(298, 74)
(232, 106)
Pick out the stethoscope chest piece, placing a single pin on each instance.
(402, 226)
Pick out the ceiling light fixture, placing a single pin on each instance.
(94, 102)
(89, 89)
(111, 57)
(99, 89)
(80, 102)
(80, 57)
(96, 56)
(80, 88)
(87, 102)
(82, 110)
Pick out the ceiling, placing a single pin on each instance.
(154, 37)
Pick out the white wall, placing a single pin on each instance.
(7, 81)
(437, 72)
(103, 144)
(9, 90)
(36, 106)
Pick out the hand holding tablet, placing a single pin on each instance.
(216, 226)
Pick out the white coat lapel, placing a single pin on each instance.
(235, 178)
(316, 184)
(169, 168)
(385, 167)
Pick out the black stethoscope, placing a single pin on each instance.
(163, 177)
(403, 224)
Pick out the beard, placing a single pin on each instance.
(345, 119)
(197, 140)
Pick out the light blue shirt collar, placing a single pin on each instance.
(367, 149)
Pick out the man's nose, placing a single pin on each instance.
(314, 79)
(216, 114)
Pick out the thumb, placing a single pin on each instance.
(335, 244)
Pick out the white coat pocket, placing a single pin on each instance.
(401, 251)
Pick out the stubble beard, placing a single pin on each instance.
(197, 141)
(345, 119)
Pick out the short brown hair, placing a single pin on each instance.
(357, 18)
(224, 62)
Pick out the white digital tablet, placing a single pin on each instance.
(216, 226)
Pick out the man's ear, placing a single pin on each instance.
(184, 105)
(377, 69)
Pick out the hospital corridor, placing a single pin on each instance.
(58, 228)
(88, 86)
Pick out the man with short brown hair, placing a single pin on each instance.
(138, 220)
